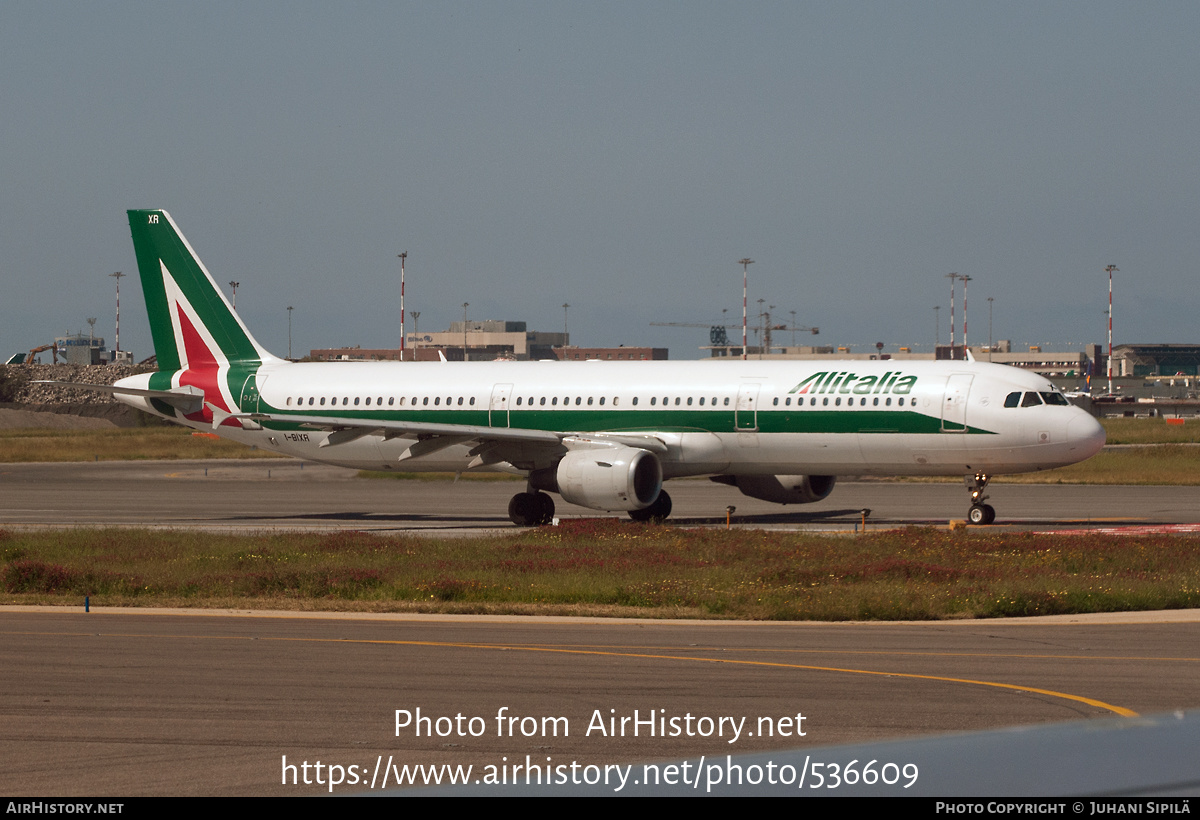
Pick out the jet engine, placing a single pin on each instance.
(610, 478)
(782, 489)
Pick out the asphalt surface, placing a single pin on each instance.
(269, 493)
(123, 704)
(132, 703)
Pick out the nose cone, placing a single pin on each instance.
(1085, 435)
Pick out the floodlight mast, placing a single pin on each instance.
(745, 263)
(953, 277)
(1110, 269)
(402, 256)
(965, 279)
(118, 276)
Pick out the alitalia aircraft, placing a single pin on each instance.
(604, 435)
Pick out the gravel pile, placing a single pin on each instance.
(56, 407)
(31, 393)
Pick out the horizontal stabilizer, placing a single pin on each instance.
(187, 398)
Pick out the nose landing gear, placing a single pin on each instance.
(979, 513)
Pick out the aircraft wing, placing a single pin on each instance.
(347, 429)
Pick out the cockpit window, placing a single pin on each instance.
(1012, 400)
(1031, 400)
(1054, 398)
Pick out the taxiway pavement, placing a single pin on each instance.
(269, 493)
(131, 703)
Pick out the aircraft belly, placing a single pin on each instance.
(794, 453)
(693, 454)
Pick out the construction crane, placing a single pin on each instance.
(718, 337)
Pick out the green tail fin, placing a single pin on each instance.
(192, 323)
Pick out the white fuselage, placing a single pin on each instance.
(713, 417)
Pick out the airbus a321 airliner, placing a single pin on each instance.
(604, 435)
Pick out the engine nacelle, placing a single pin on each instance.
(610, 478)
(782, 489)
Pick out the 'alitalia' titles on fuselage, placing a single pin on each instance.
(835, 381)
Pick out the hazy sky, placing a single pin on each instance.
(617, 156)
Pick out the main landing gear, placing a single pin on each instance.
(979, 513)
(531, 509)
(536, 509)
(657, 511)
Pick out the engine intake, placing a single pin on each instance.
(610, 478)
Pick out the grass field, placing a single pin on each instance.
(613, 568)
(118, 444)
(1151, 431)
(1162, 457)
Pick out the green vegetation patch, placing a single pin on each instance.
(1161, 464)
(135, 444)
(1151, 431)
(608, 567)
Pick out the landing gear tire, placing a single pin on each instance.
(657, 511)
(531, 509)
(981, 514)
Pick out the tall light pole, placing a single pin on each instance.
(953, 277)
(793, 327)
(1110, 269)
(761, 326)
(118, 276)
(465, 304)
(990, 344)
(289, 331)
(416, 314)
(937, 329)
(235, 286)
(745, 263)
(965, 279)
(565, 306)
(402, 256)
